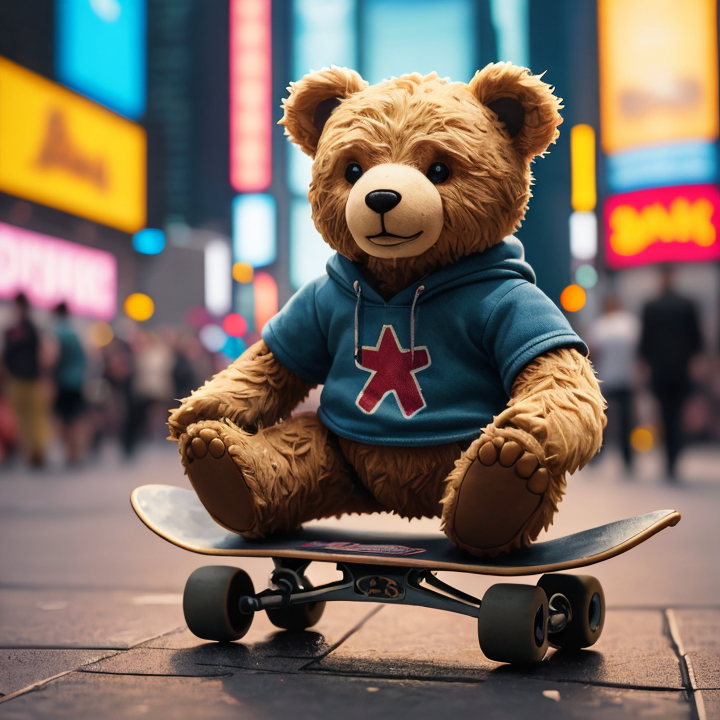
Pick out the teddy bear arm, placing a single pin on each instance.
(557, 410)
(255, 390)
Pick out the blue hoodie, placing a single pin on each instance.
(434, 364)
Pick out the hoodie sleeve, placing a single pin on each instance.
(524, 324)
(296, 338)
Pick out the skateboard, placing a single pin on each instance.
(516, 623)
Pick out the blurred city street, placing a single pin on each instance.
(91, 620)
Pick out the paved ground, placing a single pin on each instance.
(91, 623)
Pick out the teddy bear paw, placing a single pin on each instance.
(215, 476)
(499, 505)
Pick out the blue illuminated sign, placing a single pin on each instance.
(254, 229)
(100, 51)
(405, 36)
(309, 253)
(683, 163)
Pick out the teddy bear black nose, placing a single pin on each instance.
(382, 201)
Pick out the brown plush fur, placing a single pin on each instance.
(408, 481)
(294, 471)
(295, 468)
(254, 391)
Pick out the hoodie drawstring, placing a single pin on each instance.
(412, 324)
(358, 292)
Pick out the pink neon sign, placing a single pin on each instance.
(250, 95)
(50, 271)
(669, 224)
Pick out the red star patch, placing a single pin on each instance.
(392, 370)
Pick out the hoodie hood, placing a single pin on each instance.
(506, 260)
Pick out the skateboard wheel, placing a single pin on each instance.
(297, 617)
(512, 624)
(211, 603)
(587, 605)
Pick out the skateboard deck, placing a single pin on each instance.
(177, 516)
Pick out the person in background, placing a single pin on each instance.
(21, 357)
(119, 371)
(152, 384)
(670, 337)
(69, 374)
(613, 340)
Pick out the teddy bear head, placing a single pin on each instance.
(415, 172)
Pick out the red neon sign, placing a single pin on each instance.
(250, 95)
(671, 224)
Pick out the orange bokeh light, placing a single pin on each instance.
(573, 298)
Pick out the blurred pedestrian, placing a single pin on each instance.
(119, 371)
(21, 356)
(669, 339)
(613, 340)
(69, 376)
(8, 424)
(152, 384)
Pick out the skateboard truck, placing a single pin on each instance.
(381, 584)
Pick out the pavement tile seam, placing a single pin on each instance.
(473, 681)
(347, 635)
(695, 698)
(151, 674)
(41, 683)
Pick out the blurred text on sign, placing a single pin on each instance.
(62, 150)
(658, 72)
(50, 271)
(671, 224)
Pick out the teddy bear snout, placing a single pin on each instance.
(394, 211)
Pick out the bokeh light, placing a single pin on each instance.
(233, 348)
(213, 338)
(642, 439)
(149, 241)
(242, 272)
(100, 334)
(573, 298)
(235, 325)
(586, 276)
(139, 307)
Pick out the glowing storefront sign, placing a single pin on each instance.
(250, 95)
(62, 150)
(658, 72)
(100, 51)
(672, 224)
(50, 271)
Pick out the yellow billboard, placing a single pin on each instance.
(658, 72)
(61, 150)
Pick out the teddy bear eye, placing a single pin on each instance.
(353, 172)
(438, 173)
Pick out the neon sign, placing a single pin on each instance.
(250, 95)
(62, 150)
(50, 271)
(673, 224)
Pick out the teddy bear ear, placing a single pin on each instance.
(311, 102)
(522, 102)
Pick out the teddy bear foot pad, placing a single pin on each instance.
(219, 482)
(516, 623)
(500, 498)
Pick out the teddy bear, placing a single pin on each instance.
(452, 387)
